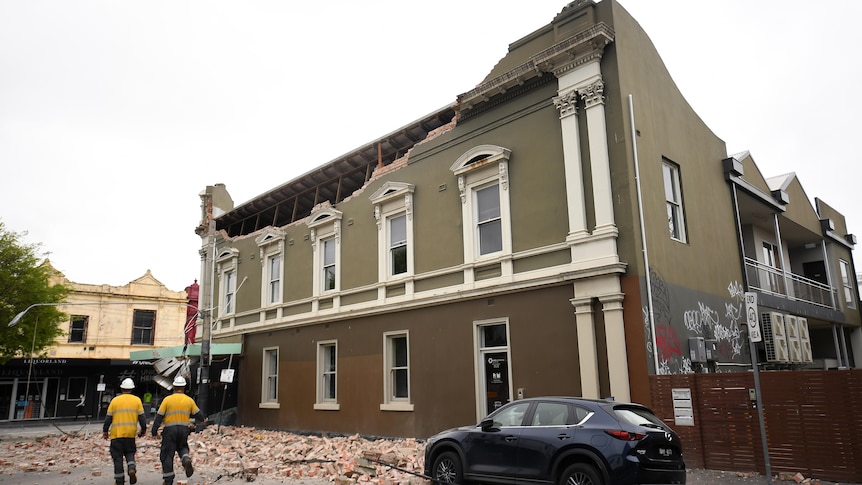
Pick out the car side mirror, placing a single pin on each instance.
(487, 425)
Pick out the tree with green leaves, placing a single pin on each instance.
(25, 280)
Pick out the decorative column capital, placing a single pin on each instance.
(593, 94)
(567, 103)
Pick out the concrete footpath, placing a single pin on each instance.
(26, 460)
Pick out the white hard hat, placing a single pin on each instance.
(179, 381)
(127, 384)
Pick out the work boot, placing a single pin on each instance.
(187, 465)
(133, 476)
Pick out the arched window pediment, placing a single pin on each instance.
(480, 156)
(269, 236)
(323, 216)
(390, 190)
(226, 254)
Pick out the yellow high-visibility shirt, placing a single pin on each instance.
(177, 409)
(124, 411)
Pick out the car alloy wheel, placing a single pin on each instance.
(447, 468)
(580, 474)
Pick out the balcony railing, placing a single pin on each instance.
(771, 280)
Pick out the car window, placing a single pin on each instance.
(639, 417)
(580, 415)
(550, 414)
(511, 415)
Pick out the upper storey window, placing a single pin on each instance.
(673, 196)
(393, 210)
(325, 225)
(483, 183)
(271, 245)
(227, 270)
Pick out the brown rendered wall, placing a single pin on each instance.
(442, 365)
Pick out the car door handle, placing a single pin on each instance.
(511, 438)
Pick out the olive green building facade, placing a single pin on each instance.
(570, 226)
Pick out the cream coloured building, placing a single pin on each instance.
(105, 324)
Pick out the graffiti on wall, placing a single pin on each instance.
(699, 320)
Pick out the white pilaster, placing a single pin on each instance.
(567, 104)
(594, 100)
(587, 355)
(615, 340)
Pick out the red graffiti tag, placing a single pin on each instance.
(667, 342)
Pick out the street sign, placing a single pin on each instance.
(751, 317)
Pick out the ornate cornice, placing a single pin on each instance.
(576, 50)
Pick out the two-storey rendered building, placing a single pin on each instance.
(570, 226)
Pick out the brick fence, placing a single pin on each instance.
(813, 421)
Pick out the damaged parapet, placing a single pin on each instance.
(215, 202)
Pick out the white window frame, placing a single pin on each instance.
(271, 246)
(325, 402)
(390, 402)
(847, 283)
(226, 266)
(390, 201)
(477, 169)
(673, 199)
(267, 375)
(325, 225)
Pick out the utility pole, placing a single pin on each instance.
(205, 303)
(214, 201)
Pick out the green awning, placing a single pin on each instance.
(191, 350)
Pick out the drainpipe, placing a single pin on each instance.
(643, 234)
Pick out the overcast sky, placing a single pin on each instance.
(114, 116)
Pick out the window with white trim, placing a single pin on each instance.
(226, 267)
(396, 362)
(273, 276)
(483, 183)
(489, 230)
(673, 198)
(229, 290)
(327, 371)
(271, 245)
(393, 210)
(397, 245)
(325, 225)
(847, 283)
(269, 386)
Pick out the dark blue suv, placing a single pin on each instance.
(560, 441)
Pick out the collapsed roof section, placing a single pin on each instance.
(333, 182)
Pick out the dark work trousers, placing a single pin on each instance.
(175, 439)
(122, 448)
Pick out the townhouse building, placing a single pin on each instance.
(569, 226)
(106, 324)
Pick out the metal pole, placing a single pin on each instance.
(759, 404)
(206, 314)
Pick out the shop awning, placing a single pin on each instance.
(191, 350)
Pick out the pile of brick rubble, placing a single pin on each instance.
(239, 452)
